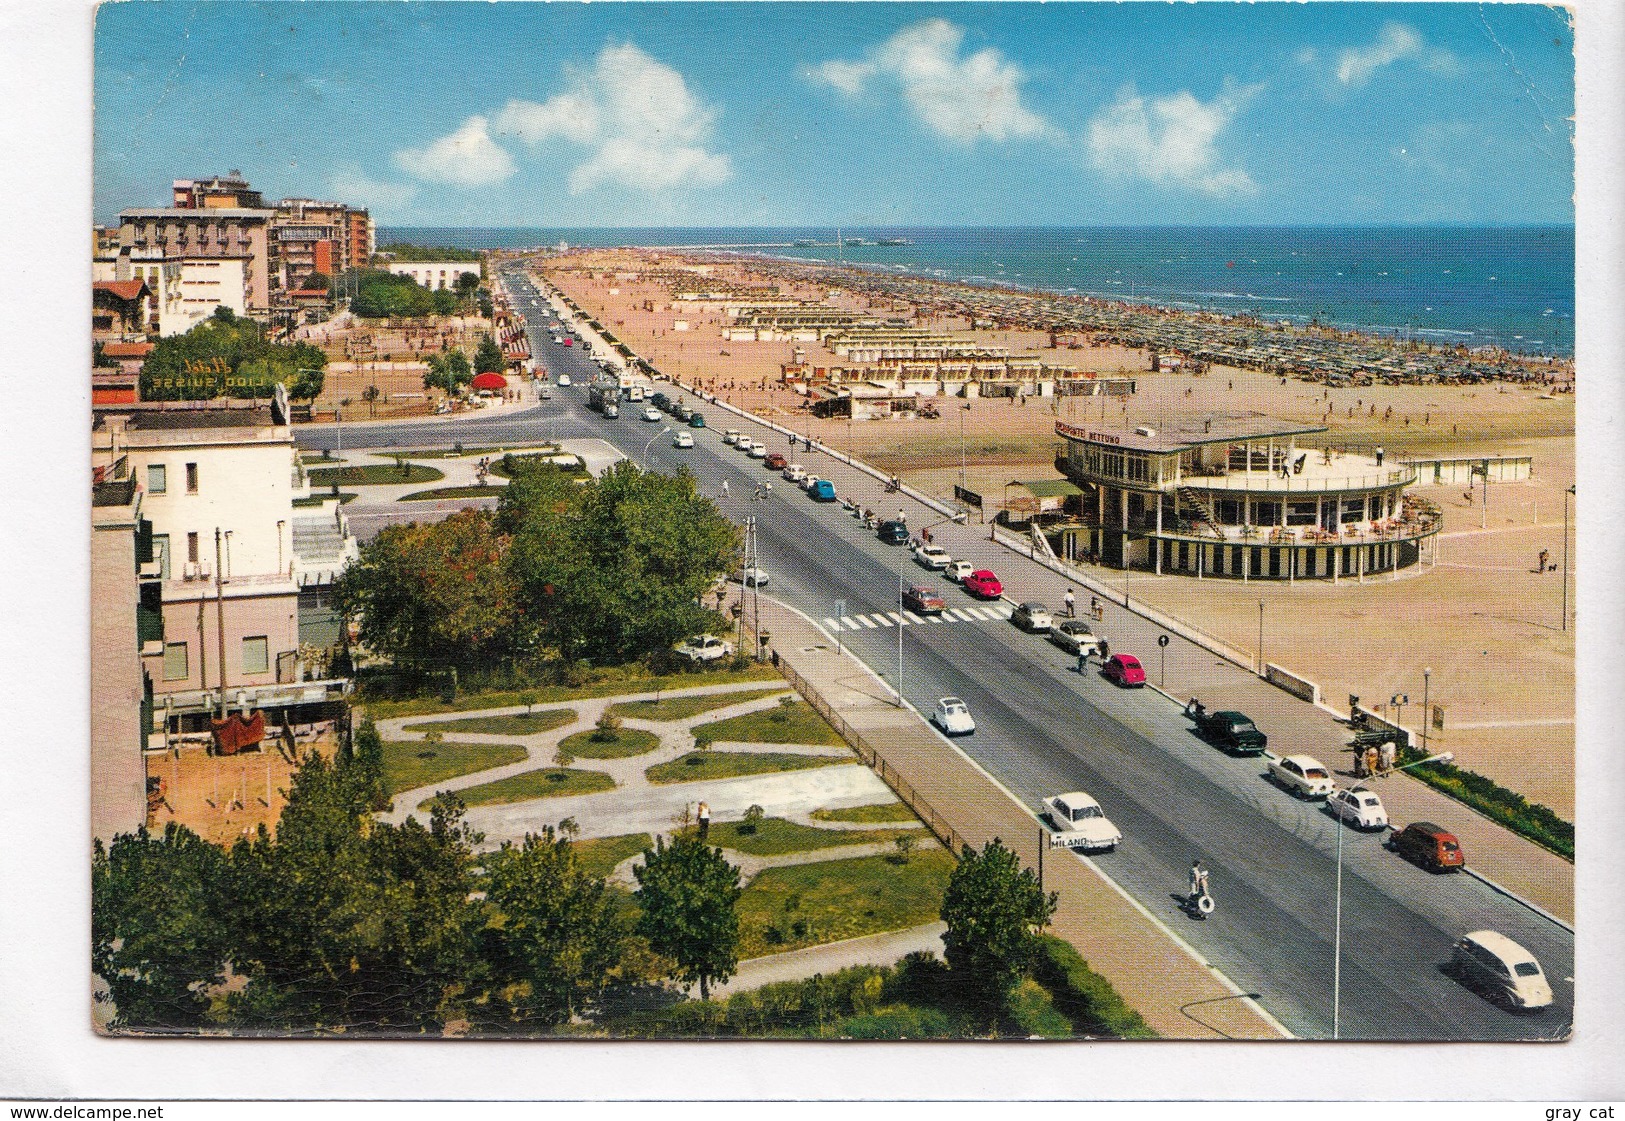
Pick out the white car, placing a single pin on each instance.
(730, 436)
(795, 472)
(1078, 822)
(752, 576)
(758, 450)
(682, 440)
(808, 483)
(651, 414)
(704, 648)
(564, 379)
(1359, 807)
(612, 410)
(953, 717)
(958, 570)
(1032, 617)
(1303, 776)
(933, 557)
(1075, 637)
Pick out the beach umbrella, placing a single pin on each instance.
(489, 380)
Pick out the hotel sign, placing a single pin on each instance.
(1077, 433)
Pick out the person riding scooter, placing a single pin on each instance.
(1199, 901)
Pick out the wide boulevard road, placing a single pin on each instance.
(1042, 729)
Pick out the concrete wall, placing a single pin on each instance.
(1299, 687)
(118, 775)
(190, 616)
(1459, 472)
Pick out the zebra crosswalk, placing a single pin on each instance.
(980, 614)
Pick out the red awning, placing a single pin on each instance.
(489, 380)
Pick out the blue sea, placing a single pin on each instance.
(1482, 286)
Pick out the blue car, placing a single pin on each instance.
(823, 491)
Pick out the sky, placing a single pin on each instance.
(889, 114)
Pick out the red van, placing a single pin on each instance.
(1429, 846)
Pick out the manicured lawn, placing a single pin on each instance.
(551, 694)
(681, 708)
(576, 468)
(796, 723)
(774, 835)
(808, 904)
(408, 766)
(516, 724)
(551, 782)
(626, 741)
(884, 812)
(698, 765)
(599, 855)
(374, 474)
(493, 490)
(316, 499)
(453, 453)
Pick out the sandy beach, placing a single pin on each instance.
(1486, 624)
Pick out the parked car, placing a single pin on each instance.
(775, 461)
(1227, 729)
(958, 570)
(1504, 971)
(1077, 822)
(658, 400)
(983, 584)
(924, 600)
(893, 533)
(697, 420)
(1303, 776)
(752, 576)
(932, 557)
(1033, 617)
(822, 491)
(730, 436)
(651, 413)
(564, 379)
(682, 440)
(682, 412)
(611, 411)
(795, 472)
(952, 715)
(1074, 636)
(808, 482)
(704, 648)
(1429, 846)
(758, 450)
(1358, 807)
(1124, 670)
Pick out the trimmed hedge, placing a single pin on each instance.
(1084, 996)
(1505, 807)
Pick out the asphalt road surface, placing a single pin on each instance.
(1042, 729)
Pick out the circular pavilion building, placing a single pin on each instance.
(1235, 495)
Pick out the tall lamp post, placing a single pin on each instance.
(651, 444)
(1337, 937)
(1427, 713)
(1261, 638)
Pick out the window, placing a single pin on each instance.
(1300, 513)
(157, 479)
(256, 655)
(175, 667)
(160, 553)
(191, 478)
(191, 548)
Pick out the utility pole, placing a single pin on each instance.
(220, 619)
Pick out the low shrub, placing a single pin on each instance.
(1084, 996)
(1506, 807)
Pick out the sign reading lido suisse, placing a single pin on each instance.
(1084, 434)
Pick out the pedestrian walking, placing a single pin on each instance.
(1372, 759)
(1379, 455)
(1071, 602)
(704, 816)
(725, 488)
(1083, 659)
(1386, 757)
(1545, 556)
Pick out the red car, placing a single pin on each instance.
(924, 601)
(775, 462)
(1124, 669)
(983, 584)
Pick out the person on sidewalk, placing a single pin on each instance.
(725, 488)
(1386, 757)
(1071, 603)
(704, 816)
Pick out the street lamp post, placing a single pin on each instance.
(1427, 713)
(1261, 638)
(651, 444)
(1337, 936)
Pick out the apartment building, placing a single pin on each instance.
(434, 275)
(204, 233)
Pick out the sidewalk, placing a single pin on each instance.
(794, 965)
(1154, 972)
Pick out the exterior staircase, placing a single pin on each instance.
(322, 546)
(1204, 513)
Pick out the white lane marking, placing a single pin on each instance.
(867, 621)
(1003, 611)
(898, 619)
(879, 620)
(960, 614)
(831, 624)
(851, 623)
(913, 618)
(980, 614)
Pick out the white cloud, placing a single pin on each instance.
(1170, 140)
(961, 97)
(465, 158)
(353, 186)
(1395, 42)
(646, 128)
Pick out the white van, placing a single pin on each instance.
(1502, 969)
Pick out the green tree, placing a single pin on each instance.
(369, 764)
(317, 282)
(557, 935)
(306, 383)
(429, 596)
(228, 356)
(488, 356)
(467, 284)
(158, 933)
(615, 568)
(688, 894)
(449, 371)
(994, 909)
